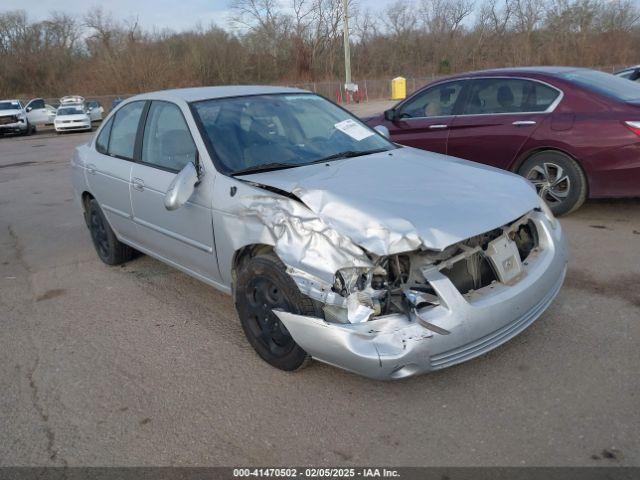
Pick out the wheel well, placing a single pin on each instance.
(242, 256)
(526, 155)
(86, 198)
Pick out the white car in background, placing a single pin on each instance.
(95, 110)
(14, 119)
(71, 99)
(72, 117)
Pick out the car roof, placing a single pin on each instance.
(544, 70)
(205, 93)
(11, 100)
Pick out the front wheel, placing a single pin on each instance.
(263, 285)
(558, 179)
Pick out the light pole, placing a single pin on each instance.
(347, 52)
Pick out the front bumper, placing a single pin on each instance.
(17, 127)
(67, 127)
(394, 346)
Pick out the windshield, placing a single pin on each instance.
(70, 111)
(9, 106)
(605, 84)
(253, 132)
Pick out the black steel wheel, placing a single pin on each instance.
(110, 250)
(262, 286)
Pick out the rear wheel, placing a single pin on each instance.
(110, 250)
(558, 179)
(264, 285)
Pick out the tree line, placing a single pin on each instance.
(293, 41)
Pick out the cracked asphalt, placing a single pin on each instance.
(142, 365)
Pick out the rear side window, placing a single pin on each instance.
(508, 95)
(167, 142)
(102, 142)
(605, 84)
(434, 102)
(124, 129)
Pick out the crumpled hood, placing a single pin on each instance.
(404, 199)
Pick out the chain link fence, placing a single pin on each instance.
(368, 89)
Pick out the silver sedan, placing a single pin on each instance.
(335, 243)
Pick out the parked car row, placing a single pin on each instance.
(72, 113)
(573, 132)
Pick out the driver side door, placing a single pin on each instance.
(423, 121)
(37, 113)
(181, 237)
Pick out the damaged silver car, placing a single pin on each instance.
(335, 243)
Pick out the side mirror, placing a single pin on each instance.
(382, 130)
(390, 115)
(28, 109)
(182, 187)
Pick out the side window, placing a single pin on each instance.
(508, 95)
(167, 142)
(102, 142)
(434, 102)
(37, 104)
(123, 131)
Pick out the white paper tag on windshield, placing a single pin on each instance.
(353, 129)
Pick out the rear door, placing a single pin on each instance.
(109, 168)
(498, 116)
(37, 113)
(184, 236)
(423, 121)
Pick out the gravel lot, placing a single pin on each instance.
(142, 365)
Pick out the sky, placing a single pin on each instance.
(174, 14)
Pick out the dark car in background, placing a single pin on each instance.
(631, 73)
(573, 132)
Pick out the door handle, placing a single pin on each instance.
(91, 168)
(438, 126)
(523, 123)
(138, 184)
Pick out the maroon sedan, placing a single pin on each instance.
(573, 132)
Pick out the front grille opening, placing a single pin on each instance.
(471, 273)
(526, 238)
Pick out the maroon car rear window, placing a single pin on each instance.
(605, 84)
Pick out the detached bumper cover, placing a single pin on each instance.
(394, 346)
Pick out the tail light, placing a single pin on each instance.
(633, 126)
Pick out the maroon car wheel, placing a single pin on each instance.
(558, 179)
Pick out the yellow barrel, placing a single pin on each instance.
(398, 88)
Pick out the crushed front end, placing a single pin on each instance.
(423, 310)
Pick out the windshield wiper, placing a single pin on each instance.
(349, 154)
(265, 167)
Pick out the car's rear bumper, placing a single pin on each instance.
(394, 346)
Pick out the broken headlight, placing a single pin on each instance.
(548, 213)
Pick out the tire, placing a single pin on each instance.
(263, 284)
(27, 131)
(110, 250)
(558, 179)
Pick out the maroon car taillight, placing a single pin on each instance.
(633, 126)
